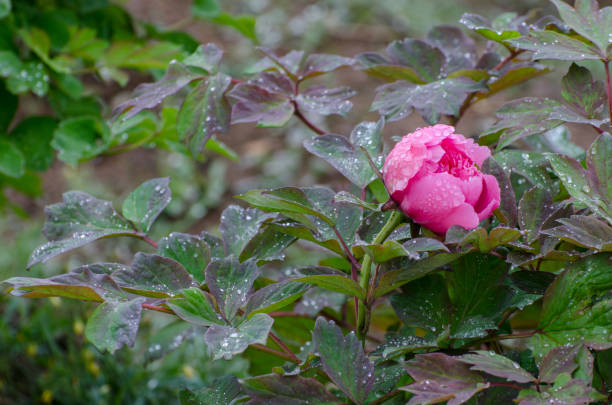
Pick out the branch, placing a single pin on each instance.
(283, 346)
(305, 120)
(158, 309)
(275, 352)
(147, 239)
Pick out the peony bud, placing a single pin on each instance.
(433, 175)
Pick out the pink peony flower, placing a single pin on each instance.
(432, 174)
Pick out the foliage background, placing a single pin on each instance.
(37, 337)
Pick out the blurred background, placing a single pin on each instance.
(44, 357)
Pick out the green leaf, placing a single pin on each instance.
(8, 106)
(89, 283)
(558, 361)
(149, 95)
(343, 156)
(136, 55)
(584, 231)
(5, 8)
(31, 77)
(396, 100)
(391, 249)
(507, 206)
(581, 91)
(223, 391)
(347, 198)
(425, 59)
(10, 64)
(484, 27)
(226, 341)
(192, 252)
(205, 8)
(564, 391)
(424, 303)
(577, 307)
(478, 293)
(267, 245)
(77, 139)
(395, 278)
(514, 76)
(553, 45)
(240, 225)
(534, 208)
(533, 166)
(76, 221)
(154, 276)
(588, 20)
(275, 296)
(439, 377)
(599, 172)
(556, 140)
(114, 324)
(497, 365)
(205, 112)
(230, 281)
(278, 389)
(195, 308)
(244, 24)
(143, 205)
(12, 161)
(324, 101)
(206, 57)
(344, 360)
(332, 280)
(170, 338)
(319, 63)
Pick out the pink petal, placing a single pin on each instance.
(402, 163)
(432, 196)
(462, 215)
(490, 197)
(472, 188)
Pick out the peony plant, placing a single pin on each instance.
(466, 270)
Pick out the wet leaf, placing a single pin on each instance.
(153, 276)
(227, 341)
(559, 360)
(344, 360)
(31, 77)
(585, 231)
(425, 59)
(206, 57)
(230, 281)
(143, 205)
(12, 161)
(497, 365)
(321, 100)
(170, 338)
(240, 225)
(275, 296)
(507, 205)
(564, 391)
(114, 324)
(439, 377)
(223, 391)
(319, 63)
(534, 208)
(599, 171)
(76, 221)
(192, 252)
(577, 307)
(274, 389)
(332, 280)
(553, 45)
(582, 92)
(485, 28)
(195, 307)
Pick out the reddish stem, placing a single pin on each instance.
(275, 353)
(147, 239)
(608, 91)
(305, 120)
(283, 346)
(503, 384)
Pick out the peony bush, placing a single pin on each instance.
(456, 269)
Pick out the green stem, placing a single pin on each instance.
(363, 317)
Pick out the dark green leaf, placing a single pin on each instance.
(532, 282)
(230, 281)
(77, 139)
(424, 58)
(497, 365)
(348, 198)
(582, 92)
(267, 245)
(342, 155)
(195, 308)
(534, 208)
(396, 100)
(319, 63)
(143, 205)
(533, 166)
(332, 280)
(585, 231)
(439, 377)
(274, 389)
(599, 172)
(458, 48)
(10, 64)
(564, 391)
(588, 20)
(8, 105)
(89, 283)
(226, 341)
(556, 140)
(553, 45)
(12, 161)
(205, 112)
(344, 360)
(223, 391)
(507, 204)
(192, 252)
(484, 27)
(76, 221)
(154, 276)
(170, 338)
(559, 360)
(577, 307)
(31, 77)
(114, 324)
(275, 296)
(240, 225)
